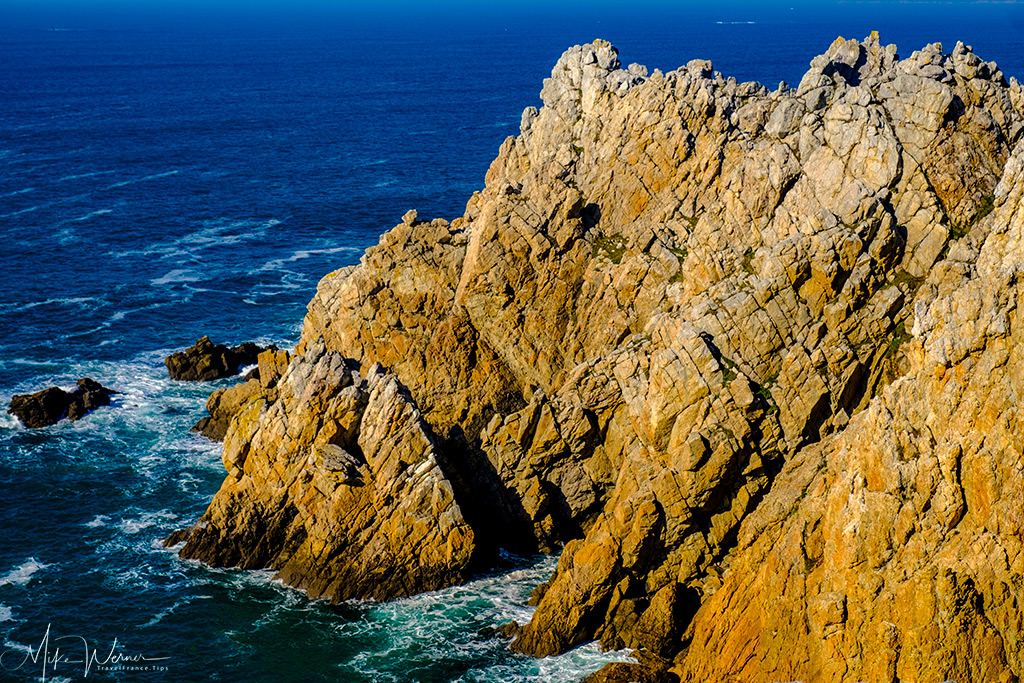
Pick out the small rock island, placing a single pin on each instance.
(50, 406)
(749, 359)
(205, 361)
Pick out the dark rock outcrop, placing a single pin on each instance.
(205, 361)
(49, 406)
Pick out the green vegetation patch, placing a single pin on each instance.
(680, 254)
(888, 364)
(748, 259)
(728, 370)
(899, 336)
(905, 280)
(764, 391)
(988, 202)
(613, 248)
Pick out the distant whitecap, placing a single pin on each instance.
(98, 521)
(17, 192)
(133, 181)
(20, 576)
(77, 176)
(177, 275)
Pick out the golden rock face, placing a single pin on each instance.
(748, 357)
(333, 481)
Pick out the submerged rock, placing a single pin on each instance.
(49, 406)
(748, 358)
(205, 361)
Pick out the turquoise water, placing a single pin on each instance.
(164, 182)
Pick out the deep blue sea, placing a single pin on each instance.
(164, 177)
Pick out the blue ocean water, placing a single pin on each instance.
(164, 179)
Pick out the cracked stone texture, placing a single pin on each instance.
(892, 550)
(333, 482)
(690, 332)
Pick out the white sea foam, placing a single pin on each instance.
(93, 214)
(447, 624)
(63, 200)
(76, 176)
(145, 521)
(98, 521)
(19, 647)
(371, 162)
(122, 314)
(133, 181)
(277, 264)
(131, 560)
(289, 281)
(228, 233)
(18, 213)
(416, 633)
(6, 613)
(79, 219)
(20, 576)
(17, 192)
(177, 275)
(159, 616)
(80, 302)
(66, 236)
(85, 333)
(149, 403)
(218, 234)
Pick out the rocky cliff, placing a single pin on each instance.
(746, 357)
(333, 481)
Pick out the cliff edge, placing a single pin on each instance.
(747, 357)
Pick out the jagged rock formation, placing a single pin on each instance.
(50, 406)
(333, 481)
(224, 404)
(205, 361)
(893, 550)
(665, 336)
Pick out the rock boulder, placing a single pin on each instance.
(205, 361)
(49, 406)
